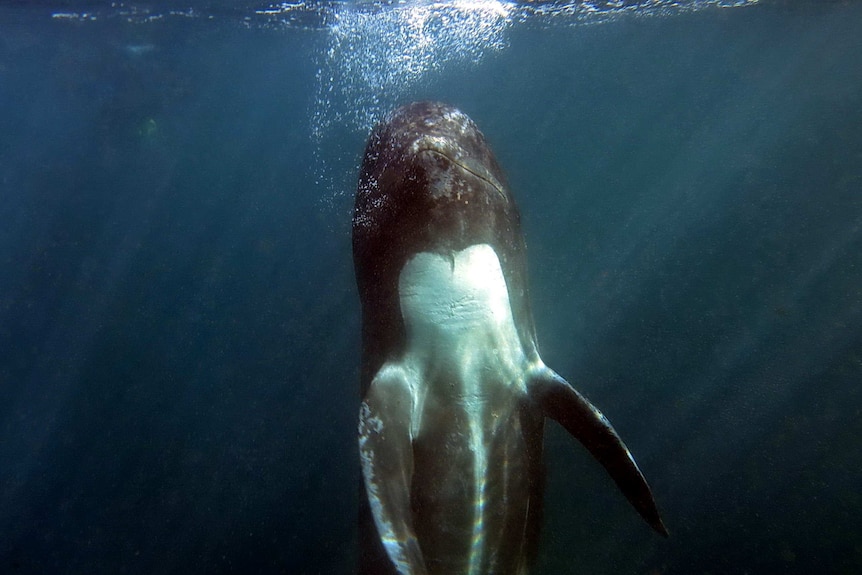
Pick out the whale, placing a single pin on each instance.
(454, 394)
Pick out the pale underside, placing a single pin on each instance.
(443, 451)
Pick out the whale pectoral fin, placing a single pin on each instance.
(562, 403)
(386, 452)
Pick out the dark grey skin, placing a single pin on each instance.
(438, 496)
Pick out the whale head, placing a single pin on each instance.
(429, 171)
(430, 183)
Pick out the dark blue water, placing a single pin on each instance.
(179, 328)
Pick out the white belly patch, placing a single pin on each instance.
(458, 299)
(465, 354)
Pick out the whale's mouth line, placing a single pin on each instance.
(491, 183)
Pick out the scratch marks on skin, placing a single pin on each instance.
(368, 422)
(447, 178)
(370, 429)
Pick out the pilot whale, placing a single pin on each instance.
(454, 392)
